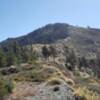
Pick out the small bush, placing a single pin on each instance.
(5, 88)
(69, 66)
(9, 86)
(70, 82)
(54, 81)
(38, 76)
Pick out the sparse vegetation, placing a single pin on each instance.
(70, 65)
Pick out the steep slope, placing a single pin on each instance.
(83, 40)
(48, 34)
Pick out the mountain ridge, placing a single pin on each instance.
(47, 34)
(81, 38)
(35, 34)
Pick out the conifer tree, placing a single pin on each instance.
(2, 58)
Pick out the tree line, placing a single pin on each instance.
(16, 54)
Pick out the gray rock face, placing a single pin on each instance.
(56, 92)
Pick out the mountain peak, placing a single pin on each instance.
(51, 33)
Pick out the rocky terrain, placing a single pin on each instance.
(48, 80)
(42, 91)
(43, 83)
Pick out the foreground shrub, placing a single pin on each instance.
(5, 88)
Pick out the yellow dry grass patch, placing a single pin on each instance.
(54, 81)
(84, 92)
(59, 75)
(94, 82)
(65, 78)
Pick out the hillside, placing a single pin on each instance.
(83, 40)
(56, 62)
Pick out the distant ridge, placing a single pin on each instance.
(51, 33)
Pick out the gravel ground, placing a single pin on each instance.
(57, 92)
(30, 91)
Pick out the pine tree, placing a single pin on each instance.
(45, 52)
(53, 52)
(2, 58)
(11, 58)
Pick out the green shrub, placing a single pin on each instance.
(9, 86)
(5, 88)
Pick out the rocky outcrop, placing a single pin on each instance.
(43, 91)
(56, 92)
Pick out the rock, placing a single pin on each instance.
(9, 71)
(56, 89)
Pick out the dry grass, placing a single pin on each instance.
(54, 81)
(66, 79)
(89, 95)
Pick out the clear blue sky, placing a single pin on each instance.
(18, 17)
